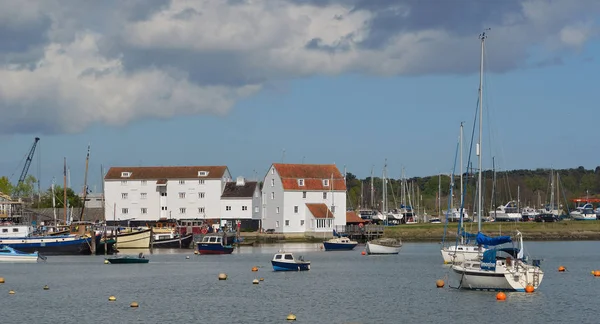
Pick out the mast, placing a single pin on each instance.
(65, 190)
(384, 192)
(53, 202)
(103, 209)
(479, 180)
(372, 190)
(87, 161)
(461, 173)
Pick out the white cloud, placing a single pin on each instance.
(114, 62)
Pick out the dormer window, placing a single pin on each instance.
(125, 174)
(325, 182)
(301, 182)
(202, 173)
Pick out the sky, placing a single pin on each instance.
(246, 83)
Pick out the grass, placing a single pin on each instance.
(564, 230)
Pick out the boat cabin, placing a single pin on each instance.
(8, 231)
(286, 257)
(212, 239)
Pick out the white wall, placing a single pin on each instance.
(212, 189)
(236, 211)
(271, 217)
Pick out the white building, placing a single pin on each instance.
(153, 193)
(303, 198)
(93, 200)
(241, 202)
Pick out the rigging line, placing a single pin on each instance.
(450, 194)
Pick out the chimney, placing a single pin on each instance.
(240, 181)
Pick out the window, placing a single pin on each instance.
(244, 208)
(144, 182)
(295, 209)
(163, 194)
(325, 182)
(182, 195)
(272, 182)
(143, 195)
(272, 195)
(201, 181)
(301, 182)
(276, 223)
(304, 194)
(124, 195)
(277, 210)
(163, 208)
(201, 195)
(144, 210)
(125, 174)
(123, 182)
(124, 210)
(256, 194)
(227, 207)
(256, 209)
(287, 222)
(201, 210)
(181, 182)
(333, 209)
(182, 210)
(5, 230)
(272, 170)
(15, 230)
(302, 222)
(202, 173)
(324, 195)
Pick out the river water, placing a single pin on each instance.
(341, 287)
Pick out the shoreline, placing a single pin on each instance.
(433, 233)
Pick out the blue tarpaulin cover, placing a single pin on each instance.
(483, 239)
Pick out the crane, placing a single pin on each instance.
(26, 168)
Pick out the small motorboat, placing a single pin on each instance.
(339, 244)
(214, 244)
(384, 246)
(8, 254)
(171, 240)
(285, 261)
(128, 259)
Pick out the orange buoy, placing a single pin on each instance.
(439, 283)
(597, 273)
(254, 269)
(363, 253)
(561, 269)
(529, 289)
(501, 296)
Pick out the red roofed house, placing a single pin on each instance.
(303, 198)
(178, 192)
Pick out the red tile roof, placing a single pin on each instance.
(167, 172)
(351, 217)
(313, 175)
(161, 181)
(320, 211)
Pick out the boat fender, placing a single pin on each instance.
(204, 230)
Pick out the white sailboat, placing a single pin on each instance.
(384, 245)
(492, 271)
(458, 253)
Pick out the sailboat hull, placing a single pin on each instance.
(460, 253)
(514, 277)
(373, 248)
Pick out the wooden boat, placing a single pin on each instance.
(134, 239)
(285, 261)
(172, 240)
(8, 254)
(384, 246)
(339, 244)
(128, 259)
(214, 244)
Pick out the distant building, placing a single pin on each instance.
(241, 202)
(93, 200)
(303, 198)
(8, 207)
(175, 192)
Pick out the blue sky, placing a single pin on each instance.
(186, 106)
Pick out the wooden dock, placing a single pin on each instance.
(361, 233)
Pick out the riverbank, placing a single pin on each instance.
(532, 231)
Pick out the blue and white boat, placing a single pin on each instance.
(20, 237)
(339, 243)
(285, 261)
(214, 244)
(8, 254)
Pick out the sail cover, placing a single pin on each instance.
(468, 235)
(483, 239)
(489, 260)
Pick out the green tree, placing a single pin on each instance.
(26, 188)
(73, 199)
(6, 187)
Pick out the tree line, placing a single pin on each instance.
(28, 193)
(430, 194)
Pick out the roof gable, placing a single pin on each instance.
(320, 211)
(165, 172)
(232, 190)
(351, 217)
(311, 176)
